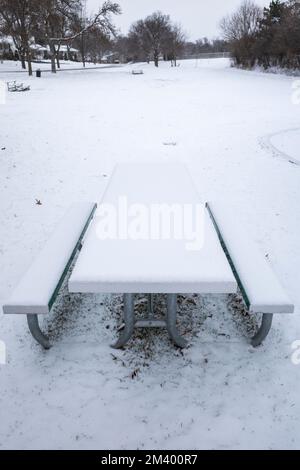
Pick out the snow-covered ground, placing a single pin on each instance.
(58, 144)
(286, 143)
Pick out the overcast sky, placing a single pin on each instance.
(199, 18)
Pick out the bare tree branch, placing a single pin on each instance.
(101, 19)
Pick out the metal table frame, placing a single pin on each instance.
(130, 322)
(170, 322)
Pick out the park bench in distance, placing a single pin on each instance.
(137, 72)
(17, 87)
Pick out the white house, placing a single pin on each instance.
(39, 52)
(8, 51)
(7, 47)
(65, 52)
(111, 58)
(69, 53)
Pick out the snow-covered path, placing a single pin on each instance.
(58, 144)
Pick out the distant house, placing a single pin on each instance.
(8, 51)
(68, 53)
(39, 52)
(111, 58)
(65, 52)
(7, 48)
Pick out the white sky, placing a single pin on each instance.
(199, 18)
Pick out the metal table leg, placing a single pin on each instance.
(263, 330)
(150, 305)
(129, 320)
(171, 322)
(34, 327)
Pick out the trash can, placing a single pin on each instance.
(38, 73)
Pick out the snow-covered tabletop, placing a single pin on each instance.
(148, 265)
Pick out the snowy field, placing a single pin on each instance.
(58, 144)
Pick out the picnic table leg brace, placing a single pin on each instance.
(263, 330)
(129, 321)
(34, 327)
(171, 322)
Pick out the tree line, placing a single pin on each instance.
(53, 23)
(157, 37)
(255, 36)
(265, 37)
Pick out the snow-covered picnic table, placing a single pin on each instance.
(150, 266)
(128, 265)
(150, 234)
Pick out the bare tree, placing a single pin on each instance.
(99, 28)
(124, 47)
(155, 35)
(268, 38)
(8, 28)
(55, 10)
(158, 28)
(240, 30)
(139, 41)
(55, 21)
(95, 44)
(18, 19)
(175, 43)
(244, 23)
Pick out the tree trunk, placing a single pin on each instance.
(29, 66)
(156, 57)
(53, 64)
(28, 56)
(57, 56)
(83, 50)
(52, 55)
(23, 61)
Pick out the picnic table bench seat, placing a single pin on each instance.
(39, 286)
(258, 284)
